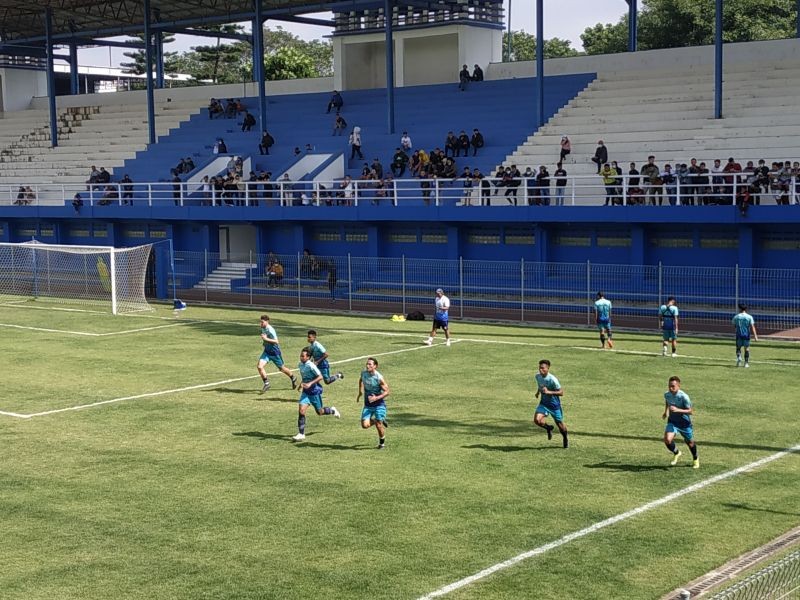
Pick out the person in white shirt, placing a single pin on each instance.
(405, 142)
(440, 317)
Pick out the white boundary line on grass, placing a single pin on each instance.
(501, 566)
(189, 388)
(86, 333)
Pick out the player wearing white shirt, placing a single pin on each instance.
(440, 317)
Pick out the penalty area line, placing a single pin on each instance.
(501, 566)
(194, 387)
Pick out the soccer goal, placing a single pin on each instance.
(103, 276)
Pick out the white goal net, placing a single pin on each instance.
(111, 278)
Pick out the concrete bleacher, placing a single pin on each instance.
(498, 108)
(669, 113)
(88, 135)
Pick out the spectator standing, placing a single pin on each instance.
(561, 183)
(355, 143)
(336, 102)
(566, 148)
(651, 177)
(600, 157)
(267, 141)
(669, 179)
(543, 183)
(732, 167)
(77, 203)
(609, 181)
(127, 189)
(634, 191)
(463, 78)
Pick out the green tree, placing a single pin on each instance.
(679, 23)
(288, 63)
(219, 62)
(523, 47)
(136, 66)
(320, 52)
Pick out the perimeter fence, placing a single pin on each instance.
(524, 291)
(778, 581)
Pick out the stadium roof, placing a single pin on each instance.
(24, 20)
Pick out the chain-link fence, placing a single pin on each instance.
(778, 581)
(707, 297)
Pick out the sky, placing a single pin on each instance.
(565, 19)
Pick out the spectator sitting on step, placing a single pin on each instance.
(274, 273)
(476, 141)
(93, 175)
(463, 78)
(543, 185)
(463, 144)
(104, 176)
(240, 107)
(309, 148)
(230, 108)
(77, 202)
(336, 102)
(451, 144)
(414, 164)
(477, 74)
(309, 265)
(21, 199)
(215, 108)
(248, 121)
(346, 191)
(566, 148)
(399, 162)
(405, 141)
(189, 165)
(220, 147)
(377, 167)
(111, 196)
(449, 170)
(339, 125)
(366, 173)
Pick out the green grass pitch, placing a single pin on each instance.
(191, 487)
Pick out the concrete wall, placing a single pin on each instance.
(699, 58)
(422, 56)
(199, 93)
(18, 86)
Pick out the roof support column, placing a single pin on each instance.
(258, 62)
(159, 56)
(633, 24)
(148, 68)
(718, 62)
(74, 86)
(797, 17)
(51, 87)
(388, 13)
(540, 61)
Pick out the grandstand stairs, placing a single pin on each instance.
(669, 113)
(497, 108)
(89, 135)
(220, 278)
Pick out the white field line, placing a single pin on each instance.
(23, 304)
(189, 388)
(86, 333)
(501, 566)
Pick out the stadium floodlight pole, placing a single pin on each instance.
(633, 24)
(388, 14)
(148, 69)
(540, 61)
(718, 61)
(258, 62)
(51, 83)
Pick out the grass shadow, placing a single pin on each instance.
(609, 466)
(507, 448)
(740, 506)
(260, 435)
(701, 443)
(257, 395)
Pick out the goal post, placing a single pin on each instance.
(103, 276)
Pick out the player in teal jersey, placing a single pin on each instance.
(311, 394)
(602, 310)
(678, 410)
(668, 321)
(745, 326)
(320, 357)
(550, 404)
(374, 388)
(271, 353)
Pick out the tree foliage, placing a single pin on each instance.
(679, 23)
(288, 63)
(523, 47)
(220, 62)
(136, 65)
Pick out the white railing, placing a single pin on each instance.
(582, 190)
